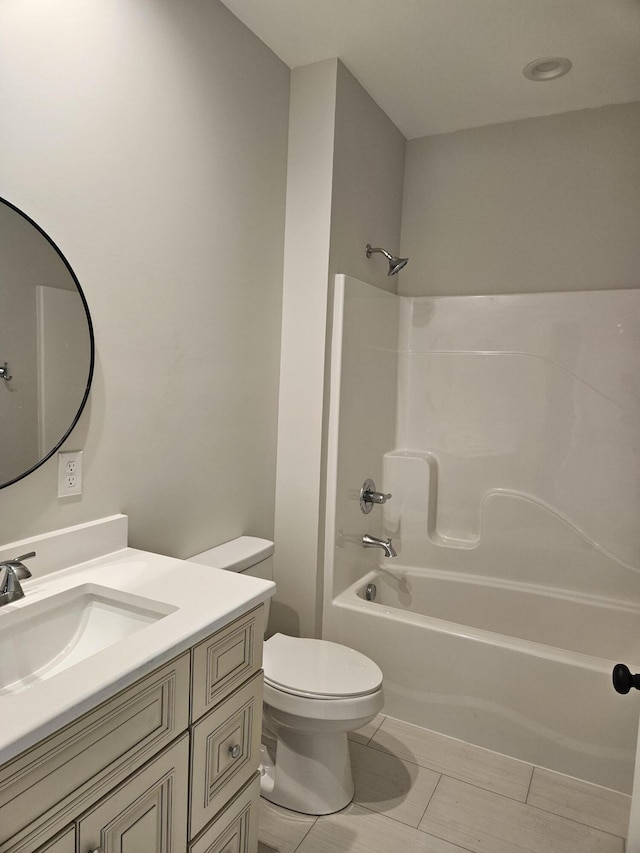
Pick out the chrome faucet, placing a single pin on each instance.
(11, 573)
(374, 542)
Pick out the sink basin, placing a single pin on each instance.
(41, 639)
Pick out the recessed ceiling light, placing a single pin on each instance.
(547, 69)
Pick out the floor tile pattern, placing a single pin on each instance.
(418, 791)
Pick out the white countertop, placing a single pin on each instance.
(206, 599)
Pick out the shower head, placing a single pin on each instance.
(395, 264)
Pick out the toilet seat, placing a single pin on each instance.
(318, 669)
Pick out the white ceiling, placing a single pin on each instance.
(436, 66)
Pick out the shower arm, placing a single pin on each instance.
(370, 250)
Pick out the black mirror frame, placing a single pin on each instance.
(91, 341)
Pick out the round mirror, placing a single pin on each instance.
(46, 346)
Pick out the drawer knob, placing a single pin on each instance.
(235, 750)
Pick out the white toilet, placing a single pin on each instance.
(314, 693)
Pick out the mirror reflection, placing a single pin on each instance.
(46, 346)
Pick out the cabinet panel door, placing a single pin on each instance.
(235, 829)
(147, 814)
(225, 752)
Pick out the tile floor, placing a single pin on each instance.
(421, 792)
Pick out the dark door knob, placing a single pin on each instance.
(623, 679)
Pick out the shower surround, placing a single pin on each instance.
(506, 428)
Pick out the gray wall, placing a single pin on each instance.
(543, 204)
(346, 161)
(150, 140)
(368, 173)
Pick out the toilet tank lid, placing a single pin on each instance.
(236, 555)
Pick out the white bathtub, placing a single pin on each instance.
(519, 669)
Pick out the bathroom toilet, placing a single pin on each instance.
(315, 692)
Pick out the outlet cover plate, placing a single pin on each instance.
(69, 473)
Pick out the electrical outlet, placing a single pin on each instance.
(69, 473)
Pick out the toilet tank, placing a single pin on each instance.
(248, 555)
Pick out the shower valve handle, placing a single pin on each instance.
(624, 679)
(369, 496)
(377, 497)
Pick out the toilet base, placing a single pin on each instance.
(311, 772)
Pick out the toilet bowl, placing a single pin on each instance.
(315, 692)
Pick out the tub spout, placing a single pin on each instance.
(374, 542)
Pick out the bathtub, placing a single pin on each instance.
(519, 669)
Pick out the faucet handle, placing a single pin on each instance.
(11, 573)
(19, 569)
(369, 496)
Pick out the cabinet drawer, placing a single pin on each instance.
(225, 751)
(64, 843)
(147, 813)
(223, 661)
(235, 830)
(49, 785)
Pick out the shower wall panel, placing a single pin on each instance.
(362, 418)
(517, 443)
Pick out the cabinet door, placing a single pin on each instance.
(225, 752)
(235, 829)
(147, 813)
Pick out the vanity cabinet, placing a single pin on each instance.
(169, 764)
